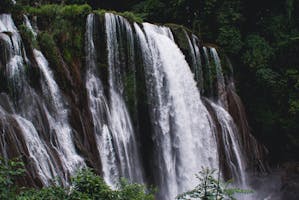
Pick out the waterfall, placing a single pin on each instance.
(221, 87)
(58, 119)
(196, 60)
(232, 146)
(32, 110)
(194, 117)
(14, 51)
(38, 151)
(123, 133)
(180, 132)
(100, 110)
(229, 125)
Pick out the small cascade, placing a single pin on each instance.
(100, 111)
(196, 60)
(221, 86)
(122, 129)
(207, 71)
(231, 145)
(38, 151)
(58, 119)
(14, 50)
(29, 26)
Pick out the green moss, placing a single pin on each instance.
(54, 10)
(130, 16)
(27, 36)
(48, 46)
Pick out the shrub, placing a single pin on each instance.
(127, 191)
(130, 16)
(258, 52)
(9, 171)
(51, 11)
(27, 35)
(47, 43)
(93, 186)
(230, 39)
(211, 188)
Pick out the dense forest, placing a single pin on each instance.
(260, 38)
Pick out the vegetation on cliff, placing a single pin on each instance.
(84, 185)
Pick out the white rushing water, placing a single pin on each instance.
(182, 121)
(122, 129)
(58, 119)
(221, 87)
(51, 103)
(100, 110)
(37, 151)
(232, 145)
(10, 35)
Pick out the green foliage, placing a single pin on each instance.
(132, 17)
(49, 193)
(47, 43)
(27, 35)
(127, 191)
(230, 39)
(9, 171)
(63, 28)
(92, 185)
(52, 10)
(268, 77)
(258, 52)
(210, 188)
(86, 185)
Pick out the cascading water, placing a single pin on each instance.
(187, 130)
(123, 133)
(180, 132)
(14, 51)
(29, 108)
(38, 151)
(100, 111)
(196, 60)
(58, 119)
(221, 87)
(229, 138)
(232, 147)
